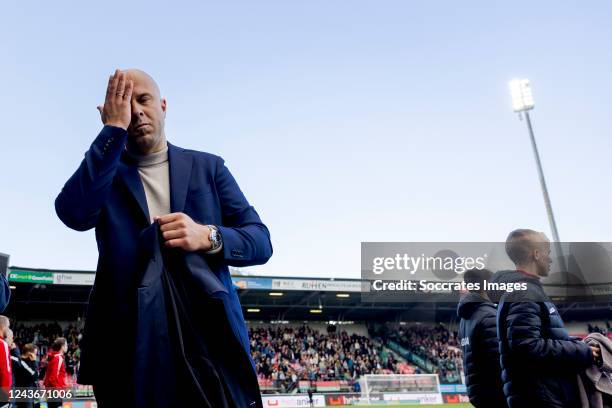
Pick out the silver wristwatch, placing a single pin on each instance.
(214, 237)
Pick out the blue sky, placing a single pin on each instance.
(342, 121)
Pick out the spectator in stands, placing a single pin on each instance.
(6, 372)
(479, 344)
(55, 375)
(26, 371)
(540, 362)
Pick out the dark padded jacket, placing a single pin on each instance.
(26, 372)
(539, 360)
(480, 349)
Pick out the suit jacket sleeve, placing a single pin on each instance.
(246, 240)
(525, 337)
(82, 198)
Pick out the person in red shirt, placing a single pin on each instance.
(55, 376)
(6, 372)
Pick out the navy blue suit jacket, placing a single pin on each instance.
(106, 193)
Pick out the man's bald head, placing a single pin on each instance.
(146, 129)
(5, 323)
(529, 249)
(141, 77)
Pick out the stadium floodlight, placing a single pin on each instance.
(276, 293)
(253, 310)
(343, 295)
(315, 311)
(522, 103)
(522, 97)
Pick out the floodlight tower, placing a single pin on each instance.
(522, 103)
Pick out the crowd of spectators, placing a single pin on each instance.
(436, 345)
(282, 354)
(287, 355)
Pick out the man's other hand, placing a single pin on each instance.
(180, 231)
(596, 354)
(117, 108)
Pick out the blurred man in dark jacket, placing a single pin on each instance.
(479, 344)
(26, 371)
(539, 360)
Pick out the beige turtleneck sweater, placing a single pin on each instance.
(155, 175)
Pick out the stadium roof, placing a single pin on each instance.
(47, 292)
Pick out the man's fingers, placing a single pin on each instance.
(175, 243)
(173, 225)
(112, 88)
(101, 110)
(164, 219)
(121, 85)
(128, 90)
(168, 235)
(109, 86)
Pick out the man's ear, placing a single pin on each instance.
(163, 105)
(537, 254)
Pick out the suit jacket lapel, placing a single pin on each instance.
(131, 178)
(180, 163)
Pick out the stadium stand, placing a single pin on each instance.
(294, 358)
(433, 348)
(305, 333)
(286, 357)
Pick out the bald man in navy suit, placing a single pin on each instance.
(130, 180)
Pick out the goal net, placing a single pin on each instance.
(401, 388)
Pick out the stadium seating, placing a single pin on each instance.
(284, 356)
(295, 358)
(434, 349)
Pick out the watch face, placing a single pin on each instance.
(214, 238)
